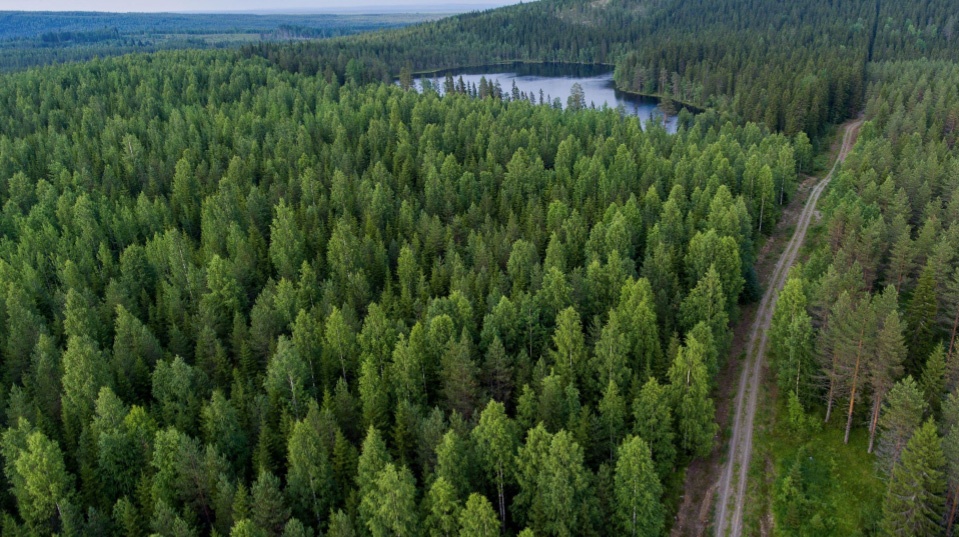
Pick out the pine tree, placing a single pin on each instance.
(914, 501)
(832, 345)
(374, 396)
(497, 372)
(901, 260)
(854, 356)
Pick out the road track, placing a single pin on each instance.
(732, 482)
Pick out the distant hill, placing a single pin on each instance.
(36, 38)
(791, 65)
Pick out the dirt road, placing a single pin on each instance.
(732, 483)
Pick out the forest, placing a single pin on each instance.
(267, 291)
(30, 39)
(345, 291)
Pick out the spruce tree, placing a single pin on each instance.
(653, 419)
(933, 381)
(921, 317)
(914, 502)
(900, 417)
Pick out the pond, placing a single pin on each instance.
(553, 83)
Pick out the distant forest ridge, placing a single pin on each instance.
(32, 24)
(30, 39)
(792, 66)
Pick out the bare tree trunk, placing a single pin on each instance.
(874, 421)
(829, 398)
(798, 376)
(855, 379)
(502, 498)
(762, 210)
(832, 388)
(852, 403)
(954, 494)
(952, 337)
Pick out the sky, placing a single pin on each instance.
(287, 6)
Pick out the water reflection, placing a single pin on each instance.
(552, 84)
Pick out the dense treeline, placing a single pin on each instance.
(29, 39)
(794, 66)
(791, 66)
(29, 24)
(868, 328)
(254, 296)
(242, 300)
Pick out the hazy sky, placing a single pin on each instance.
(229, 5)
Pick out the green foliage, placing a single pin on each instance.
(442, 509)
(35, 469)
(553, 484)
(221, 272)
(478, 518)
(695, 412)
(905, 407)
(801, 503)
(33, 39)
(914, 503)
(933, 380)
(637, 490)
(790, 336)
(389, 507)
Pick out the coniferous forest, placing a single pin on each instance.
(269, 292)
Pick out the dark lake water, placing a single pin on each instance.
(552, 82)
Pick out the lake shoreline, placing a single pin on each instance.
(609, 68)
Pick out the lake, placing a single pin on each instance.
(551, 82)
